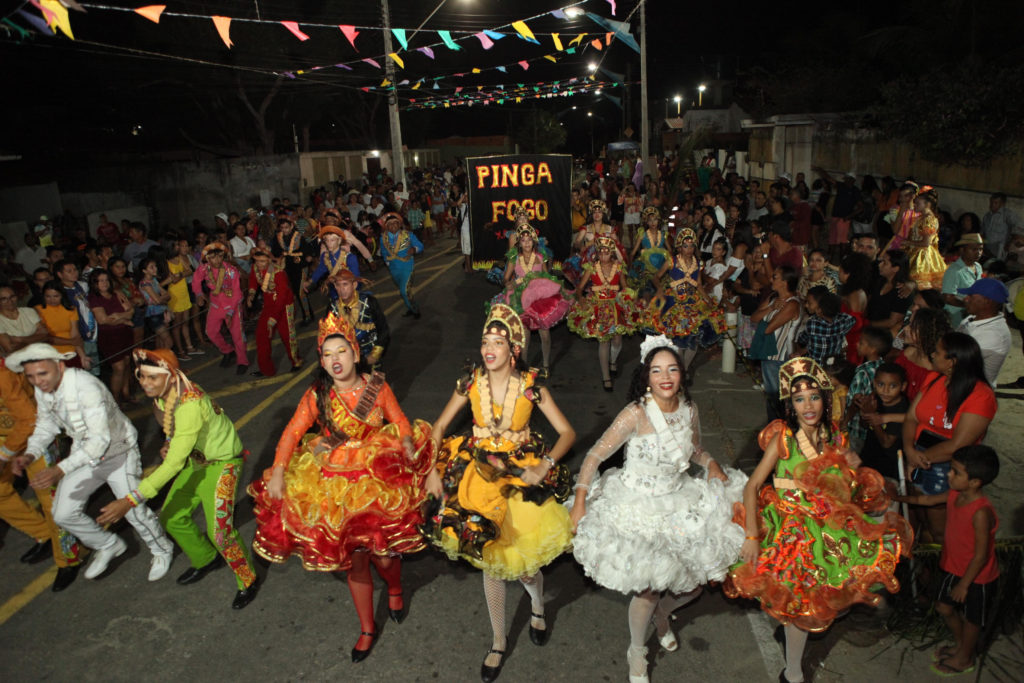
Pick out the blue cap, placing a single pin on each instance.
(988, 287)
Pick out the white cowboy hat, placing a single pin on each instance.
(35, 352)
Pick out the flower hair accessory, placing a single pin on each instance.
(802, 368)
(652, 343)
(512, 328)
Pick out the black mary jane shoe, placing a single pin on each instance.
(246, 595)
(360, 655)
(396, 615)
(491, 673)
(539, 636)
(36, 552)
(613, 369)
(607, 385)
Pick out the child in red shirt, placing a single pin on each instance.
(968, 559)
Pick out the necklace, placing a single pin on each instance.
(502, 421)
(528, 265)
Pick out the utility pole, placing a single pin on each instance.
(397, 157)
(645, 124)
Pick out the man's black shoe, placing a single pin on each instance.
(65, 577)
(246, 595)
(36, 552)
(193, 574)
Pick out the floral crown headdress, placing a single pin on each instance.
(687, 234)
(652, 343)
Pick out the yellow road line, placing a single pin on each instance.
(41, 582)
(27, 594)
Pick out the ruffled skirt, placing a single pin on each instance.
(366, 496)
(927, 267)
(602, 319)
(631, 541)
(820, 552)
(540, 300)
(691, 321)
(490, 518)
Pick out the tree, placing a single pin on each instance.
(539, 132)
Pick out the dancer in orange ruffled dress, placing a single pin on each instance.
(350, 495)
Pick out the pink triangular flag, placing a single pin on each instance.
(223, 25)
(612, 3)
(151, 12)
(427, 51)
(524, 64)
(293, 26)
(485, 41)
(369, 60)
(350, 33)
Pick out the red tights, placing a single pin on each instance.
(360, 584)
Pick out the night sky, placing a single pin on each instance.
(130, 86)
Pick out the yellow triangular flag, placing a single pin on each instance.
(418, 84)
(385, 83)
(518, 100)
(59, 16)
(578, 39)
(476, 70)
(551, 57)
(151, 12)
(223, 25)
(524, 30)
(398, 60)
(558, 43)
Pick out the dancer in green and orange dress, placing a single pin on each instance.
(811, 549)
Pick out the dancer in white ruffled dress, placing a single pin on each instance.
(651, 529)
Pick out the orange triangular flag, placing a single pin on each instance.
(151, 12)
(223, 25)
(608, 38)
(596, 42)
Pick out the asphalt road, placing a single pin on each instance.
(302, 624)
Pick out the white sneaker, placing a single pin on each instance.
(159, 566)
(101, 559)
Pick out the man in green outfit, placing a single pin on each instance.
(202, 448)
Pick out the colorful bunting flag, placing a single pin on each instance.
(346, 67)
(447, 38)
(485, 42)
(558, 14)
(525, 64)
(427, 51)
(608, 38)
(350, 33)
(612, 3)
(418, 84)
(502, 69)
(598, 45)
(476, 70)
(399, 33)
(397, 59)
(223, 25)
(57, 15)
(494, 35)
(39, 23)
(524, 32)
(578, 39)
(558, 43)
(293, 26)
(151, 12)
(551, 58)
(372, 62)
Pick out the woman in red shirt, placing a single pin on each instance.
(920, 339)
(954, 409)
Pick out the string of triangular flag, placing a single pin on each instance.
(497, 95)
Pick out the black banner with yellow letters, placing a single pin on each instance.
(498, 185)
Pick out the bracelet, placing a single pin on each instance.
(753, 538)
(135, 498)
(547, 458)
(585, 487)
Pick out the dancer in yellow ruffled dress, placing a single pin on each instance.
(503, 488)
(926, 263)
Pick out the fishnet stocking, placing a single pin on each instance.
(668, 604)
(796, 641)
(602, 357)
(545, 346)
(494, 593)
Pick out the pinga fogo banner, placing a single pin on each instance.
(498, 185)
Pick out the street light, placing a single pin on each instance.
(700, 97)
(573, 12)
(592, 67)
(678, 99)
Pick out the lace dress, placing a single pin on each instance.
(651, 524)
